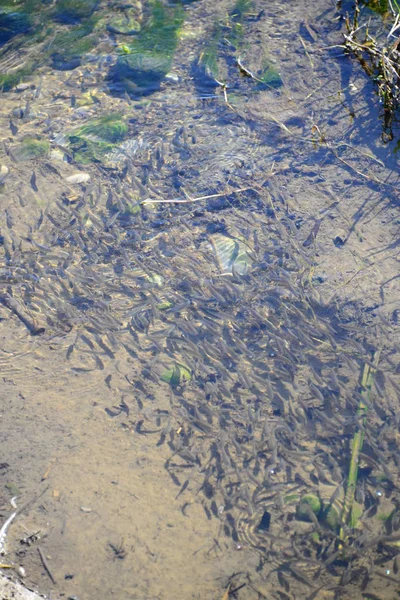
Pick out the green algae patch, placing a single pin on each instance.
(31, 148)
(269, 76)
(142, 65)
(10, 80)
(110, 128)
(176, 375)
(309, 502)
(94, 140)
(209, 67)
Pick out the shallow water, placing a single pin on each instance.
(185, 325)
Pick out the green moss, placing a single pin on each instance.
(9, 80)
(86, 151)
(144, 63)
(91, 142)
(290, 498)
(269, 77)
(242, 9)
(164, 305)
(176, 375)
(332, 516)
(110, 128)
(30, 148)
(307, 502)
(384, 516)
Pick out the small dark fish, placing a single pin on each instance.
(13, 128)
(113, 413)
(99, 362)
(9, 220)
(26, 111)
(38, 89)
(313, 233)
(125, 407)
(396, 565)
(283, 582)
(316, 392)
(183, 488)
(33, 182)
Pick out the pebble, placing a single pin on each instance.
(86, 509)
(4, 171)
(21, 87)
(172, 77)
(21, 571)
(78, 178)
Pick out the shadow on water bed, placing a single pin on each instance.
(198, 309)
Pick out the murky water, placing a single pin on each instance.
(199, 264)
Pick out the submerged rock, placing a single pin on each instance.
(142, 66)
(4, 171)
(71, 11)
(12, 21)
(97, 138)
(124, 24)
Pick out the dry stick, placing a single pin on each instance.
(46, 566)
(10, 303)
(188, 200)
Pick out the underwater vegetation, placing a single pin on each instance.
(143, 64)
(71, 45)
(97, 138)
(31, 147)
(227, 45)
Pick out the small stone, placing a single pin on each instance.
(172, 77)
(22, 87)
(86, 509)
(4, 171)
(78, 178)
(339, 242)
(21, 571)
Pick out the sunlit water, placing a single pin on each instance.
(199, 263)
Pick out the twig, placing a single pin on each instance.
(188, 199)
(10, 303)
(3, 530)
(46, 566)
